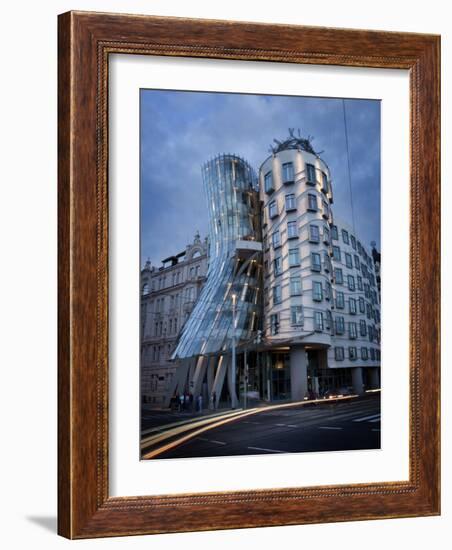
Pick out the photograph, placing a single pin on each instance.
(260, 274)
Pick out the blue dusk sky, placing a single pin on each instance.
(181, 130)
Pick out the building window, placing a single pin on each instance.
(372, 354)
(290, 202)
(314, 234)
(353, 241)
(312, 202)
(295, 286)
(288, 173)
(362, 305)
(273, 209)
(340, 302)
(364, 354)
(377, 355)
(296, 315)
(274, 324)
(339, 279)
(315, 261)
(292, 231)
(339, 354)
(334, 234)
(348, 260)
(345, 236)
(352, 353)
(352, 306)
(362, 328)
(294, 257)
(352, 331)
(145, 289)
(277, 266)
(336, 253)
(324, 182)
(340, 325)
(317, 291)
(326, 235)
(276, 240)
(268, 182)
(276, 294)
(351, 282)
(357, 265)
(326, 210)
(359, 281)
(318, 321)
(310, 174)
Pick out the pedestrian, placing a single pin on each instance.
(200, 403)
(214, 399)
(190, 401)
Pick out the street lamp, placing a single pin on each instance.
(233, 366)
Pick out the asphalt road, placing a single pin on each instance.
(348, 425)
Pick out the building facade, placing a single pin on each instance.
(321, 304)
(168, 295)
(287, 303)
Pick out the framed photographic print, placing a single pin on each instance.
(248, 275)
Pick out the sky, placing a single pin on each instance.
(182, 130)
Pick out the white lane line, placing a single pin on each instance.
(266, 450)
(217, 442)
(281, 425)
(375, 430)
(329, 428)
(292, 425)
(375, 419)
(366, 418)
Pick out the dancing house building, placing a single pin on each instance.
(290, 302)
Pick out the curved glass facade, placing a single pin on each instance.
(235, 266)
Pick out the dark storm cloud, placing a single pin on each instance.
(181, 130)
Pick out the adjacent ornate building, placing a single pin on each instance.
(168, 295)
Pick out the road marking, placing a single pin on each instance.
(329, 428)
(266, 450)
(366, 418)
(375, 430)
(292, 425)
(281, 425)
(376, 419)
(217, 442)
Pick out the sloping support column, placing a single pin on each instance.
(178, 381)
(211, 374)
(198, 375)
(222, 367)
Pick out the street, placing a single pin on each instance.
(328, 426)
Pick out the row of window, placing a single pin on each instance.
(290, 204)
(160, 329)
(320, 292)
(324, 321)
(374, 354)
(350, 239)
(176, 278)
(316, 264)
(288, 176)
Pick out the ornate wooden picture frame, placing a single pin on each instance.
(86, 40)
